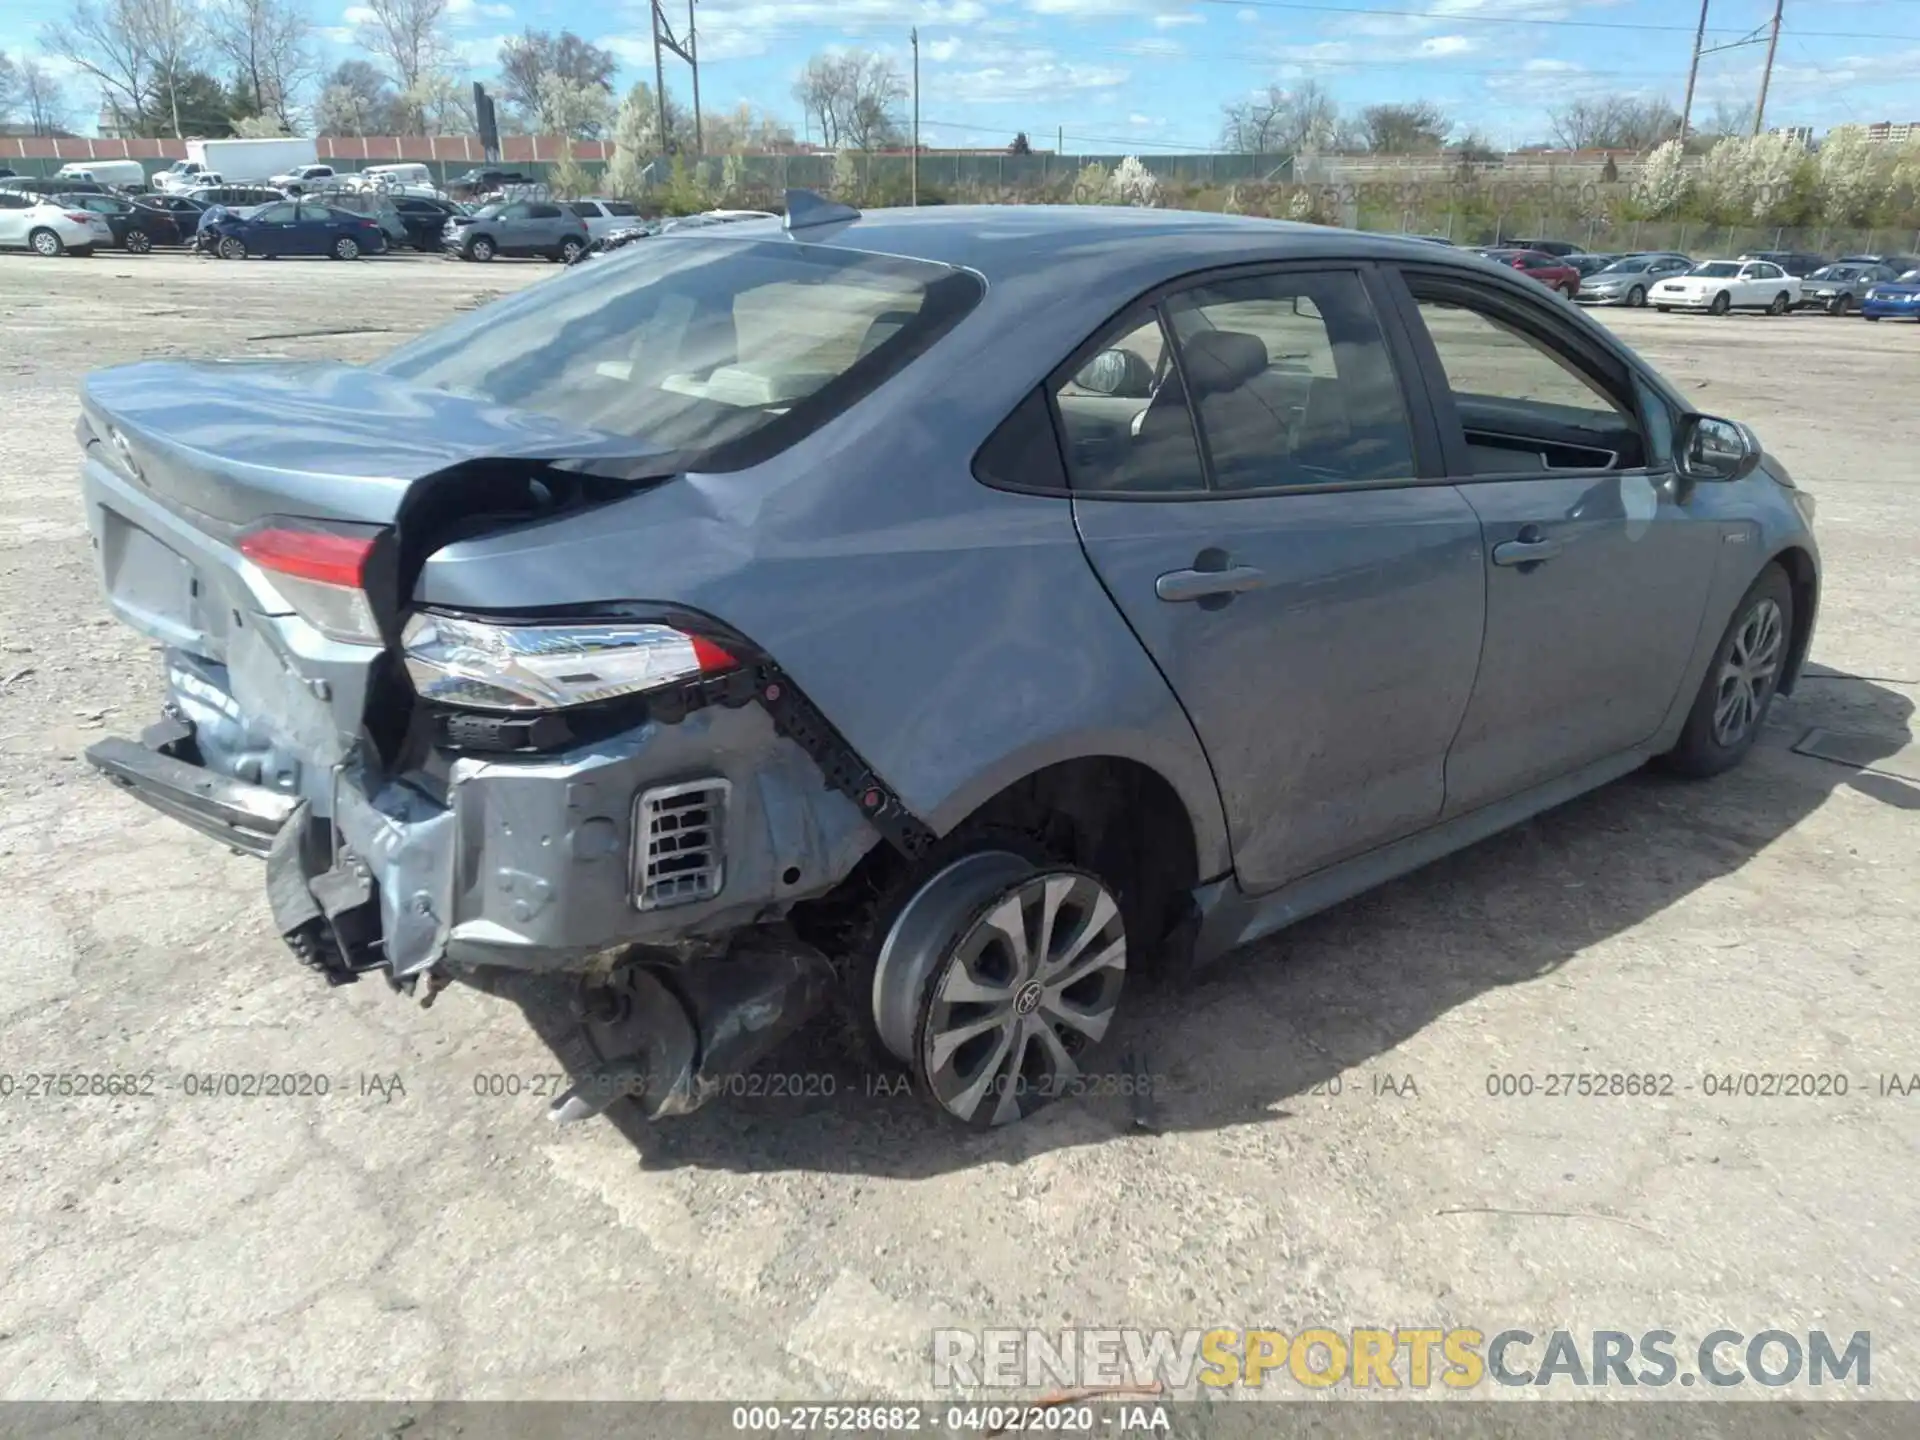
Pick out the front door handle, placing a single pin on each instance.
(1179, 585)
(1529, 549)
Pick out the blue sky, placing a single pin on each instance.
(1153, 74)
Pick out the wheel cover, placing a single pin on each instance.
(1748, 673)
(346, 249)
(1031, 985)
(232, 249)
(138, 242)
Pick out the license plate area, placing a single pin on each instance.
(152, 585)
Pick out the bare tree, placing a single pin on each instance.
(528, 59)
(411, 37)
(105, 41)
(744, 128)
(1419, 127)
(358, 100)
(39, 99)
(855, 99)
(1283, 122)
(9, 86)
(269, 43)
(1613, 122)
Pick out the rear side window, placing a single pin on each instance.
(721, 351)
(543, 212)
(620, 207)
(1124, 417)
(1293, 382)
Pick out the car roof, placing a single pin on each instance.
(1095, 242)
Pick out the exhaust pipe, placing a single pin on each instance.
(669, 1037)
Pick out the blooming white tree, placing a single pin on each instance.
(1132, 184)
(1851, 175)
(634, 142)
(571, 107)
(1663, 181)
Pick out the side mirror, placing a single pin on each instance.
(1712, 449)
(1118, 373)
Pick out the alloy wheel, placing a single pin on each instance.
(346, 248)
(233, 248)
(1748, 673)
(1031, 984)
(45, 242)
(139, 242)
(1636, 298)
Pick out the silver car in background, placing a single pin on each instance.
(939, 614)
(1628, 278)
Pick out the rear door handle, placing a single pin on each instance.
(1530, 549)
(1179, 585)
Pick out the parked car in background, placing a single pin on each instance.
(1897, 299)
(297, 227)
(44, 186)
(1797, 263)
(1628, 279)
(1550, 270)
(594, 634)
(1895, 262)
(424, 219)
(516, 227)
(1559, 249)
(235, 195)
(302, 178)
(1718, 286)
(120, 174)
(136, 228)
(375, 205)
(183, 209)
(38, 223)
(603, 217)
(1588, 263)
(1838, 288)
(184, 175)
(485, 180)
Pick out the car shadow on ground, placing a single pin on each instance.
(1287, 1020)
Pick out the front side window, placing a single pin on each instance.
(277, 215)
(692, 344)
(1524, 403)
(1717, 270)
(1292, 381)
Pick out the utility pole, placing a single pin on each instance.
(1773, 44)
(663, 40)
(914, 163)
(693, 59)
(1693, 73)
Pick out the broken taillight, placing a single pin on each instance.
(320, 571)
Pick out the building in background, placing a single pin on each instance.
(1886, 132)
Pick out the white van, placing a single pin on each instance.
(122, 174)
(411, 173)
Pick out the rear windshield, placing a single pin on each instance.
(718, 349)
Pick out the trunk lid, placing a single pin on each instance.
(183, 458)
(240, 440)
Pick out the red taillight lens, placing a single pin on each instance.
(309, 554)
(1519, 264)
(320, 573)
(713, 659)
(83, 216)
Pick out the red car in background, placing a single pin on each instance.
(1550, 270)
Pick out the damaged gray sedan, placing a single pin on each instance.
(936, 614)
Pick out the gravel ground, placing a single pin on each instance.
(1328, 1153)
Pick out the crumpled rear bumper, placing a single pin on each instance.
(523, 861)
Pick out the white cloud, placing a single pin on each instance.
(358, 15)
(466, 11)
(1438, 47)
(1342, 54)
(1184, 17)
(1157, 48)
(942, 50)
(1035, 80)
(1103, 9)
(1147, 122)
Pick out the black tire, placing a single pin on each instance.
(45, 243)
(1636, 298)
(570, 249)
(1843, 306)
(1664, 309)
(1781, 303)
(138, 242)
(1874, 318)
(480, 248)
(1722, 303)
(346, 248)
(1705, 749)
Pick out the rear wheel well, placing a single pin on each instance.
(1113, 816)
(1806, 596)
